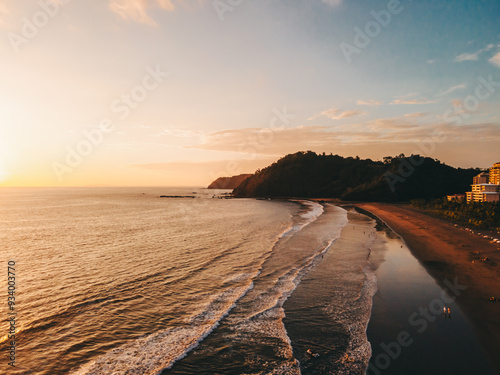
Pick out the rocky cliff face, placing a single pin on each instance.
(228, 182)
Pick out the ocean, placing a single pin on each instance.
(121, 281)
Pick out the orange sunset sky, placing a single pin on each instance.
(177, 93)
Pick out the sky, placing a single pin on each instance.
(180, 92)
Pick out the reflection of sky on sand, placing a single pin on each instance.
(409, 300)
(404, 274)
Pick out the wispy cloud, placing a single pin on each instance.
(182, 133)
(411, 98)
(473, 56)
(451, 89)
(337, 114)
(132, 10)
(137, 10)
(496, 59)
(415, 115)
(379, 134)
(412, 101)
(370, 103)
(431, 61)
(333, 3)
(467, 57)
(458, 107)
(202, 166)
(284, 140)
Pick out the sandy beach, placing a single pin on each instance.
(450, 253)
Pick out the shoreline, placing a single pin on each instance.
(446, 252)
(330, 309)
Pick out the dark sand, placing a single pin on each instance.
(408, 331)
(446, 252)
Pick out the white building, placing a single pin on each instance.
(482, 191)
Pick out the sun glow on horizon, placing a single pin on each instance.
(224, 98)
(3, 174)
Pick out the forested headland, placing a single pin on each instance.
(395, 179)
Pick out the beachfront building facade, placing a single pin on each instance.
(494, 175)
(481, 178)
(483, 193)
(486, 186)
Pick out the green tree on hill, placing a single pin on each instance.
(306, 174)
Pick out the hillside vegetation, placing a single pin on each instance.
(473, 214)
(396, 179)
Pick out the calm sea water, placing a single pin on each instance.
(121, 281)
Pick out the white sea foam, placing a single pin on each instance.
(315, 211)
(131, 263)
(264, 321)
(356, 312)
(288, 231)
(359, 351)
(151, 354)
